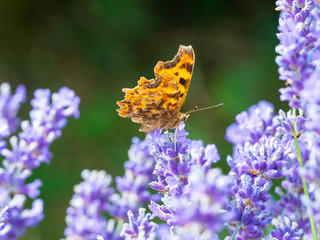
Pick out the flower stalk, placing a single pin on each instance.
(304, 182)
(236, 230)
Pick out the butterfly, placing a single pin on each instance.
(157, 103)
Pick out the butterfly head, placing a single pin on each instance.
(183, 117)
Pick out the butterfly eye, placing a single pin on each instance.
(184, 117)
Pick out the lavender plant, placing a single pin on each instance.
(171, 188)
(26, 151)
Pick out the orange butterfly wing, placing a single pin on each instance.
(156, 103)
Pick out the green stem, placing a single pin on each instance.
(233, 237)
(304, 182)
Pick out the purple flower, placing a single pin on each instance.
(298, 46)
(28, 150)
(299, 66)
(268, 153)
(85, 217)
(266, 158)
(198, 212)
(194, 194)
(192, 232)
(3, 217)
(17, 182)
(310, 98)
(139, 227)
(291, 124)
(293, 205)
(175, 158)
(250, 126)
(9, 107)
(250, 215)
(298, 62)
(46, 121)
(311, 155)
(18, 218)
(204, 198)
(111, 232)
(252, 168)
(286, 230)
(313, 205)
(173, 162)
(204, 156)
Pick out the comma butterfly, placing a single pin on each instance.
(157, 103)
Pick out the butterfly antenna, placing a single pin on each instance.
(196, 109)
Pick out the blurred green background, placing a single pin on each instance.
(98, 47)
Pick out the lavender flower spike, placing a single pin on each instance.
(298, 46)
(47, 119)
(286, 230)
(194, 194)
(9, 106)
(251, 125)
(3, 216)
(28, 150)
(139, 228)
(85, 218)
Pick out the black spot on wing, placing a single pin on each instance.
(183, 81)
(189, 67)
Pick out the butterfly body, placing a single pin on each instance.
(157, 103)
